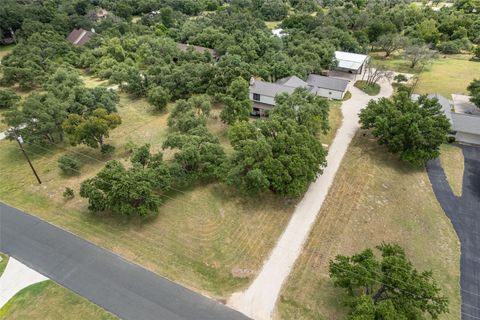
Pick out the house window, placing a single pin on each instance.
(256, 97)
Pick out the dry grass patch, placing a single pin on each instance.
(207, 237)
(451, 159)
(48, 300)
(374, 198)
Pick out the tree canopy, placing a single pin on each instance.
(237, 103)
(412, 129)
(387, 289)
(90, 130)
(116, 189)
(474, 89)
(281, 153)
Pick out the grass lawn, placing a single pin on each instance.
(395, 62)
(335, 118)
(92, 82)
(370, 89)
(4, 50)
(451, 158)
(207, 237)
(272, 24)
(372, 200)
(48, 300)
(445, 75)
(448, 75)
(3, 262)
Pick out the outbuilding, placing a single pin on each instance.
(350, 62)
(79, 37)
(328, 87)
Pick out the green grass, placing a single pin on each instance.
(335, 118)
(374, 198)
(395, 62)
(452, 161)
(448, 75)
(3, 262)
(4, 50)
(347, 96)
(272, 24)
(207, 237)
(370, 89)
(445, 75)
(48, 300)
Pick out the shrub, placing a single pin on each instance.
(69, 164)
(158, 97)
(107, 149)
(68, 193)
(8, 98)
(476, 52)
(400, 78)
(403, 88)
(370, 89)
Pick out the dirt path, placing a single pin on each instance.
(258, 301)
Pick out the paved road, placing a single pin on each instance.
(106, 279)
(259, 300)
(464, 212)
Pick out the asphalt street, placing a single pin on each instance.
(119, 286)
(464, 212)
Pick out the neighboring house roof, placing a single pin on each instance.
(465, 118)
(466, 123)
(444, 102)
(293, 82)
(269, 89)
(330, 83)
(462, 104)
(348, 60)
(185, 46)
(79, 37)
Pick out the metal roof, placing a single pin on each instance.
(269, 89)
(348, 60)
(330, 83)
(293, 82)
(444, 102)
(466, 123)
(460, 120)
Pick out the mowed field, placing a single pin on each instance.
(375, 198)
(48, 300)
(207, 237)
(452, 161)
(447, 74)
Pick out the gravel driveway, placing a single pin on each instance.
(258, 301)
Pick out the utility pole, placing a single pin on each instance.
(20, 143)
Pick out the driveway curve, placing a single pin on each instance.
(259, 300)
(464, 213)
